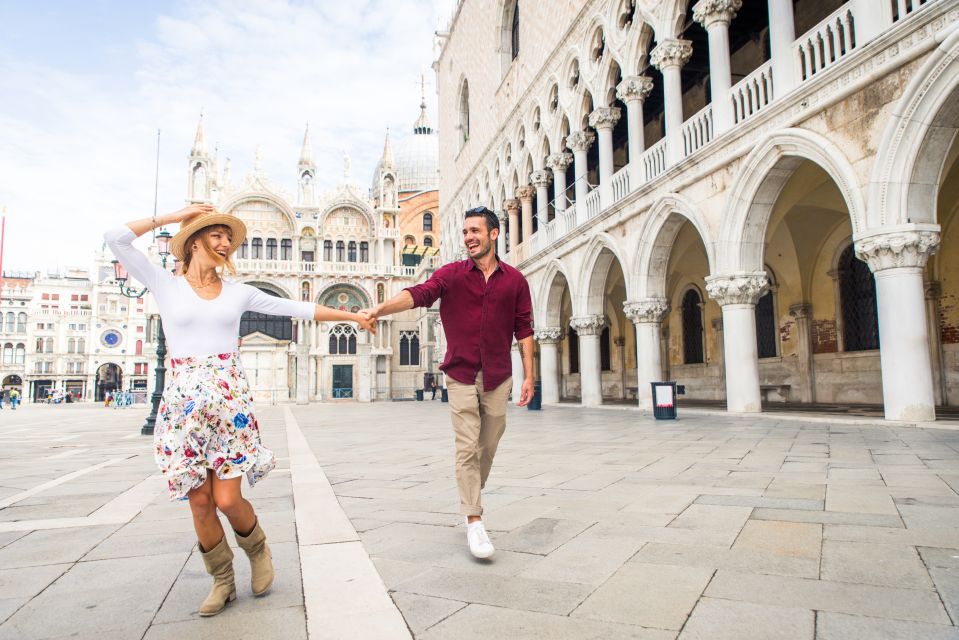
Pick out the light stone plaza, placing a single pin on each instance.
(757, 200)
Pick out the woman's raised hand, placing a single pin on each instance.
(187, 214)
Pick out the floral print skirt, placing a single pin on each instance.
(206, 422)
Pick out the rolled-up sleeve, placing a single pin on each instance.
(427, 293)
(275, 306)
(523, 321)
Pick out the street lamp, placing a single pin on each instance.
(120, 275)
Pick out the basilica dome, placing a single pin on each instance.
(415, 158)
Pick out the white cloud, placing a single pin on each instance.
(77, 149)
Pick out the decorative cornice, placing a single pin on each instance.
(548, 335)
(511, 204)
(634, 88)
(525, 192)
(897, 249)
(541, 178)
(740, 288)
(709, 12)
(604, 117)
(580, 140)
(671, 53)
(588, 325)
(651, 310)
(559, 160)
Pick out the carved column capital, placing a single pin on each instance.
(541, 178)
(559, 161)
(501, 215)
(650, 310)
(525, 192)
(604, 117)
(739, 288)
(580, 140)
(588, 325)
(671, 53)
(512, 205)
(897, 249)
(709, 12)
(548, 335)
(634, 88)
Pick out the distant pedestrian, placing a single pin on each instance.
(433, 388)
(14, 399)
(207, 436)
(484, 304)
(107, 397)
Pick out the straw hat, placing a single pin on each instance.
(178, 244)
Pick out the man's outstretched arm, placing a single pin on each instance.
(403, 301)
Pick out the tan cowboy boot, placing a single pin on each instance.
(261, 560)
(219, 564)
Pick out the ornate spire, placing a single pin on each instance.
(306, 153)
(422, 124)
(199, 142)
(387, 159)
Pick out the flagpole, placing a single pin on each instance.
(3, 234)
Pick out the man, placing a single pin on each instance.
(484, 304)
(14, 399)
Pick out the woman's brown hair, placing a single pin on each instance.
(201, 238)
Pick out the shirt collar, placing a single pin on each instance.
(499, 265)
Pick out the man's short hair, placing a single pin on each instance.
(492, 221)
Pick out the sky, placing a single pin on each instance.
(84, 87)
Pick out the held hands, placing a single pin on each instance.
(372, 313)
(526, 393)
(365, 321)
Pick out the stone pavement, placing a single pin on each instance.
(607, 525)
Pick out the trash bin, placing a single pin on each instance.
(445, 397)
(536, 402)
(419, 394)
(664, 400)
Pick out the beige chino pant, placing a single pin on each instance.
(479, 420)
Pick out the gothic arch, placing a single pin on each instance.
(361, 294)
(912, 153)
(599, 253)
(658, 232)
(550, 297)
(239, 199)
(762, 176)
(349, 203)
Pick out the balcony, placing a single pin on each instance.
(297, 268)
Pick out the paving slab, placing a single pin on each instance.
(880, 564)
(838, 626)
(714, 619)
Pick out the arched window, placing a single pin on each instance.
(409, 348)
(343, 340)
(71, 345)
(271, 249)
(257, 245)
(8, 353)
(48, 345)
(139, 348)
(20, 354)
(39, 345)
(81, 345)
(692, 311)
(464, 125)
(427, 241)
(767, 338)
(351, 251)
(340, 251)
(328, 250)
(21, 322)
(427, 221)
(514, 32)
(244, 249)
(305, 293)
(364, 252)
(286, 249)
(573, 339)
(11, 321)
(857, 291)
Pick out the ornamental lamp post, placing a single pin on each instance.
(120, 275)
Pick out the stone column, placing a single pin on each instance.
(669, 56)
(897, 260)
(501, 240)
(633, 91)
(580, 142)
(541, 179)
(589, 329)
(559, 162)
(549, 362)
(933, 294)
(715, 16)
(647, 315)
(782, 35)
(802, 313)
(303, 365)
(516, 360)
(738, 294)
(603, 120)
(525, 195)
(512, 210)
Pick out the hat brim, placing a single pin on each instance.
(237, 226)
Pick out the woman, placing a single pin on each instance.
(206, 437)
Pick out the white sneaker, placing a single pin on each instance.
(476, 536)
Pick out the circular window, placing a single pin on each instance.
(111, 338)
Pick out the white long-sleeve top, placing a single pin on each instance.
(196, 327)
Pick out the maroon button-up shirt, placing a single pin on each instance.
(479, 317)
